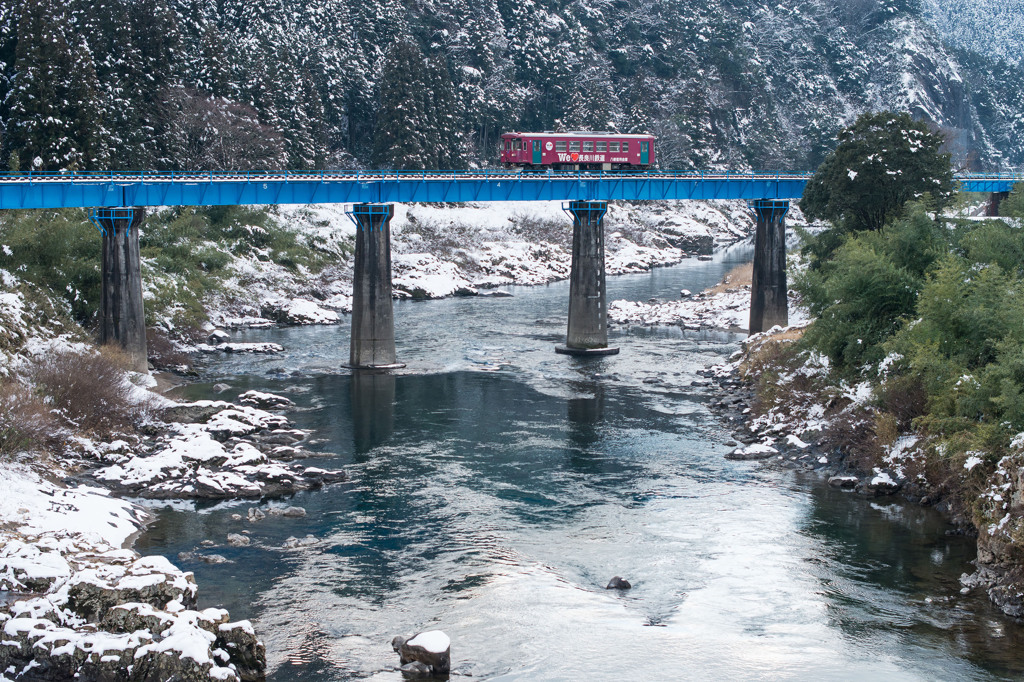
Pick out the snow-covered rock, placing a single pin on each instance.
(264, 400)
(79, 606)
(225, 451)
(432, 649)
(299, 311)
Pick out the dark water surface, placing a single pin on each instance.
(497, 487)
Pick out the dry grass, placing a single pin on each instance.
(90, 393)
(26, 424)
(771, 352)
(739, 276)
(163, 353)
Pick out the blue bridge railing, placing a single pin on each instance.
(209, 188)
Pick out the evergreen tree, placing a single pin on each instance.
(445, 149)
(400, 138)
(882, 161)
(54, 121)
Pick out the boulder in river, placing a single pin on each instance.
(432, 648)
(265, 401)
(618, 583)
(416, 669)
(843, 481)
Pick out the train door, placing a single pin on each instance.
(537, 160)
(645, 149)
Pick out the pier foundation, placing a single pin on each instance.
(588, 312)
(768, 291)
(122, 316)
(373, 322)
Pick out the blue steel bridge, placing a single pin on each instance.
(118, 201)
(218, 188)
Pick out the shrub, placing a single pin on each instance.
(56, 250)
(869, 285)
(995, 243)
(1013, 206)
(25, 421)
(88, 392)
(164, 354)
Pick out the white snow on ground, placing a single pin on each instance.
(728, 310)
(265, 347)
(309, 312)
(796, 442)
(28, 330)
(34, 505)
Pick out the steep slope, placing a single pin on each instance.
(425, 83)
(989, 27)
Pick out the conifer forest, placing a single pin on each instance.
(305, 84)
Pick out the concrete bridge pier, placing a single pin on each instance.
(373, 321)
(994, 199)
(122, 317)
(588, 311)
(768, 291)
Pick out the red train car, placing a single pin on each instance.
(577, 151)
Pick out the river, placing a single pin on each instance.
(496, 487)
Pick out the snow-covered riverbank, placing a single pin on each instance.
(440, 251)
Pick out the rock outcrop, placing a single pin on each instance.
(86, 610)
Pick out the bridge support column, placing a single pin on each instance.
(373, 321)
(768, 291)
(994, 199)
(588, 312)
(122, 316)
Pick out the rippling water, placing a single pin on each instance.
(497, 487)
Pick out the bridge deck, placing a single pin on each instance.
(218, 188)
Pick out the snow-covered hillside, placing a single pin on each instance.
(989, 27)
(384, 83)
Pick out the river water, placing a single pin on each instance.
(496, 487)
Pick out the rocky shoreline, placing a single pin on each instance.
(75, 603)
(798, 441)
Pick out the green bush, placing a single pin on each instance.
(868, 286)
(1013, 206)
(55, 250)
(966, 346)
(996, 243)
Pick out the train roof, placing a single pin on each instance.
(583, 133)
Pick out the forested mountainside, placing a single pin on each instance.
(219, 84)
(991, 27)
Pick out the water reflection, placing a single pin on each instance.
(373, 409)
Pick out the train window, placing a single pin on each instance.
(508, 144)
(625, 146)
(602, 147)
(613, 147)
(588, 146)
(517, 144)
(574, 146)
(560, 146)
